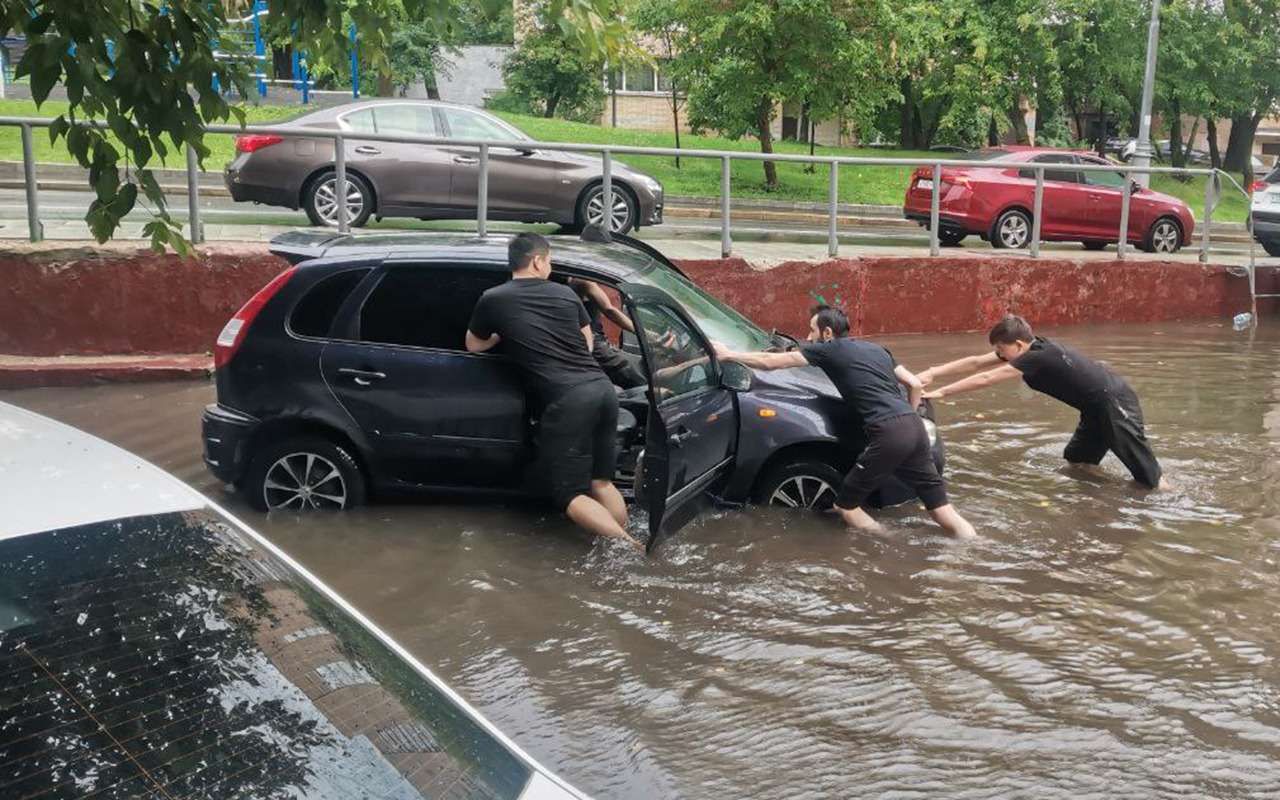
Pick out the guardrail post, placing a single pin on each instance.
(833, 197)
(1209, 187)
(193, 197)
(1122, 242)
(340, 183)
(726, 245)
(482, 194)
(1037, 213)
(33, 196)
(606, 195)
(934, 203)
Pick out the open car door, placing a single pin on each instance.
(692, 430)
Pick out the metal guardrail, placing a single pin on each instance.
(340, 138)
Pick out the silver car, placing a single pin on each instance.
(432, 181)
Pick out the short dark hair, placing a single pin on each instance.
(1012, 328)
(524, 248)
(831, 317)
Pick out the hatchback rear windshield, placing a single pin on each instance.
(169, 656)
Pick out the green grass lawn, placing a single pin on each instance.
(696, 177)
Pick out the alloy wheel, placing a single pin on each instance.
(326, 200)
(620, 217)
(803, 491)
(301, 481)
(1014, 232)
(1165, 237)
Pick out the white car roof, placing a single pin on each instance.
(54, 476)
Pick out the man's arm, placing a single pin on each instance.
(974, 382)
(590, 336)
(959, 366)
(477, 345)
(915, 389)
(616, 315)
(765, 361)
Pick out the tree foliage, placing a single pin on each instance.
(548, 77)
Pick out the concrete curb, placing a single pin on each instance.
(25, 372)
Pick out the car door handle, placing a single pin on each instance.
(678, 438)
(366, 150)
(362, 377)
(465, 160)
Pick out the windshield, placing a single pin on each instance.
(718, 321)
(168, 655)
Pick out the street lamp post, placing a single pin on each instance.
(1142, 153)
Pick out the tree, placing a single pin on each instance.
(147, 69)
(659, 19)
(550, 76)
(1251, 70)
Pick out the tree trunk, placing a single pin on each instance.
(764, 112)
(802, 127)
(1021, 134)
(552, 102)
(386, 85)
(993, 132)
(908, 114)
(1211, 130)
(1239, 157)
(1177, 157)
(675, 118)
(917, 129)
(1191, 137)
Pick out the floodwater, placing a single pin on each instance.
(1096, 642)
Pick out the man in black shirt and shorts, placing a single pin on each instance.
(869, 379)
(613, 361)
(543, 328)
(1110, 416)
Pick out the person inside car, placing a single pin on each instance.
(613, 361)
(868, 378)
(544, 329)
(1110, 415)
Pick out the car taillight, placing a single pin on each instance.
(234, 331)
(1258, 186)
(256, 141)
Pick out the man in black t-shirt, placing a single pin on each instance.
(1110, 416)
(543, 328)
(613, 361)
(870, 381)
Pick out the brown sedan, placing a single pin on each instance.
(432, 181)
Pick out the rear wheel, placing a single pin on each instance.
(320, 200)
(803, 483)
(950, 238)
(1165, 236)
(1012, 230)
(307, 473)
(1094, 245)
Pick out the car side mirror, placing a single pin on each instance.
(734, 376)
(1134, 187)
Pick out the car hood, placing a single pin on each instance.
(798, 382)
(593, 160)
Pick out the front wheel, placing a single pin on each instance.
(803, 484)
(1012, 230)
(625, 210)
(1165, 236)
(321, 200)
(307, 473)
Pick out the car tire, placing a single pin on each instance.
(948, 238)
(317, 200)
(1164, 236)
(592, 202)
(1272, 246)
(334, 479)
(1094, 244)
(802, 483)
(1012, 230)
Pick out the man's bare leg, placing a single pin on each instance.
(857, 519)
(593, 517)
(952, 522)
(607, 495)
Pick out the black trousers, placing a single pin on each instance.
(898, 447)
(616, 364)
(1115, 423)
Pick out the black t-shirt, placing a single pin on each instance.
(540, 323)
(593, 310)
(1064, 374)
(863, 373)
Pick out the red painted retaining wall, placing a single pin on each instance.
(60, 300)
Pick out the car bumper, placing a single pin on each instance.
(243, 192)
(651, 207)
(226, 434)
(947, 222)
(1265, 224)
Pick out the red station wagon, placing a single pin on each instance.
(994, 198)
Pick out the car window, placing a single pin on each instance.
(315, 312)
(416, 120)
(171, 655)
(426, 305)
(361, 121)
(465, 124)
(1110, 180)
(1059, 175)
(718, 321)
(679, 364)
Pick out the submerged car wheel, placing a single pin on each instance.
(321, 200)
(1165, 236)
(625, 211)
(308, 473)
(800, 484)
(1012, 230)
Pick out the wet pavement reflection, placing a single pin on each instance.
(1097, 641)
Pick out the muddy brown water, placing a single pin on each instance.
(1096, 642)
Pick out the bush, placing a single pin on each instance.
(553, 78)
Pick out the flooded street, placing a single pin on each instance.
(1096, 642)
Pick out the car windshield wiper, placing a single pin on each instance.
(787, 341)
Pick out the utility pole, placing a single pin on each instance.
(1142, 153)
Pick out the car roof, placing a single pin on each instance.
(617, 261)
(333, 112)
(56, 477)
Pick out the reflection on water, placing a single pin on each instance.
(1096, 642)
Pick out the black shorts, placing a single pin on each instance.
(1115, 423)
(898, 447)
(577, 441)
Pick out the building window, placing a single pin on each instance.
(638, 78)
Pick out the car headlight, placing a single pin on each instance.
(932, 430)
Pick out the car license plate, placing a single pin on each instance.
(925, 184)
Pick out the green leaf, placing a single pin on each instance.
(58, 127)
(125, 200)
